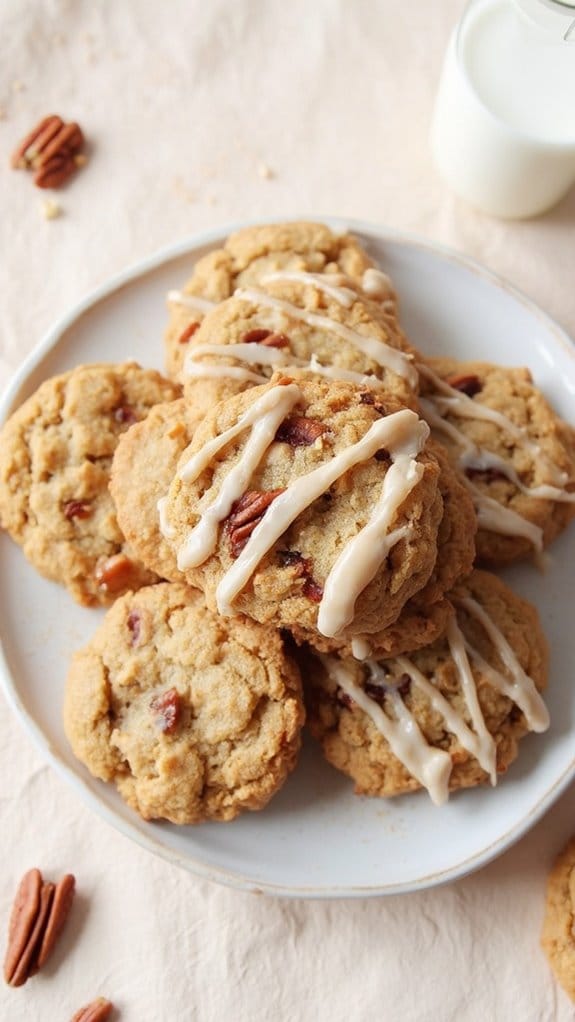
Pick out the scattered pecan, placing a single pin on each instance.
(167, 709)
(188, 333)
(367, 397)
(298, 431)
(303, 569)
(38, 915)
(52, 149)
(114, 573)
(96, 1011)
(467, 383)
(134, 623)
(312, 590)
(125, 415)
(77, 509)
(246, 513)
(266, 337)
(382, 455)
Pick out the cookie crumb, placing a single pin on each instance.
(265, 171)
(51, 209)
(18, 86)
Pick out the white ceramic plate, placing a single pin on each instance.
(315, 839)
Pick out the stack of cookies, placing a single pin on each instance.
(303, 511)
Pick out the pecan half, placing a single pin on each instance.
(38, 915)
(96, 1011)
(188, 332)
(115, 573)
(77, 509)
(246, 513)
(167, 709)
(52, 149)
(467, 383)
(298, 431)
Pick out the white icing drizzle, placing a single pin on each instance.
(210, 371)
(301, 493)
(253, 354)
(496, 518)
(388, 358)
(360, 648)
(430, 766)
(521, 689)
(362, 557)
(332, 284)
(376, 284)
(265, 417)
(193, 302)
(166, 529)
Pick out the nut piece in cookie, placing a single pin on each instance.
(447, 716)
(558, 933)
(191, 716)
(331, 528)
(55, 458)
(516, 456)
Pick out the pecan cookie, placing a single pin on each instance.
(312, 325)
(248, 256)
(558, 934)
(516, 455)
(447, 716)
(143, 466)
(307, 504)
(192, 717)
(55, 457)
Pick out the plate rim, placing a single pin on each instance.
(193, 865)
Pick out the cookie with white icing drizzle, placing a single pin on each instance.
(192, 717)
(447, 716)
(143, 466)
(558, 932)
(55, 457)
(424, 617)
(516, 455)
(247, 256)
(303, 503)
(321, 325)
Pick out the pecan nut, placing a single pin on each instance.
(298, 431)
(115, 573)
(167, 709)
(52, 149)
(467, 383)
(38, 916)
(266, 337)
(246, 513)
(95, 1011)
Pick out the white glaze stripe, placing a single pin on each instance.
(430, 766)
(329, 283)
(381, 353)
(522, 685)
(166, 529)
(207, 370)
(264, 417)
(302, 492)
(486, 753)
(193, 302)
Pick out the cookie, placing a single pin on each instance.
(558, 933)
(321, 325)
(447, 716)
(143, 466)
(55, 456)
(517, 456)
(192, 717)
(307, 504)
(425, 616)
(251, 254)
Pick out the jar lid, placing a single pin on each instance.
(555, 17)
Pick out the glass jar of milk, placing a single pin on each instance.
(503, 131)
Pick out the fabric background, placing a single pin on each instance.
(183, 102)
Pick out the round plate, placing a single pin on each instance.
(316, 838)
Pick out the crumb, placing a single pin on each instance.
(50, 209)
(18, 86)
(265, 171)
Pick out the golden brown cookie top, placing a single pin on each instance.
(193, 717)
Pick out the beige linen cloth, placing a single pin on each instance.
(202, 112)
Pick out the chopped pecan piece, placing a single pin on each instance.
(298, 431)
(303, 569)
(39, 913)
(96, 1011)
(125, 415)
(266, 337)
(467, 383)
(312, 590)
(246, 513)
(367, 397)
(167, 709)
(188, 333)
(134, 623)
(77, 509)
(115, 573)
(52, 149)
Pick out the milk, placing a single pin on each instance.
(503, 133)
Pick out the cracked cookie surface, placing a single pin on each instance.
(192, 717)
(55, 457)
